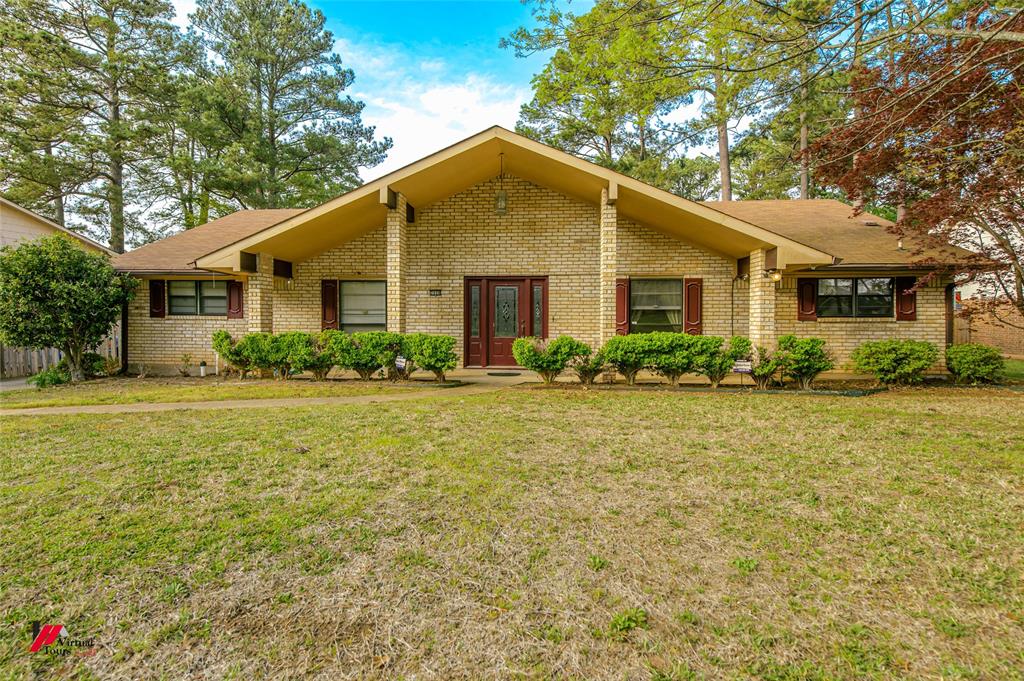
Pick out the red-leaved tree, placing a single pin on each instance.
(938, 134)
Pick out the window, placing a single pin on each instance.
(655, 305)
(867, 297)
(198, 297)
(363, 306)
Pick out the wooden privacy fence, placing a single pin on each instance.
(18, 362)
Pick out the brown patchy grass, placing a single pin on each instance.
(158, 389)
(525, 534)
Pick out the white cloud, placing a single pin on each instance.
(425, 104)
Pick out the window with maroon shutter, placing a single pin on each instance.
(807, 299)
(621, 307)
(157, 298)
(236, 298)
(329, 304)
(906, 299)
(693, 306)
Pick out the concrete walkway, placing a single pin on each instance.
(479, 385)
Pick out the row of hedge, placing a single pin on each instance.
(672, 355)
(366, 353)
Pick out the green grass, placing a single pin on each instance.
(524, 534)
(133, 390)
(1015, 369)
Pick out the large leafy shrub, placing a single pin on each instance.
(292, 351)
(47, 378)
(588, 367)
(895, 361)
(366, 352)
(764, 367)
(411, 343)
(54, 294)
(261, 351)
(804, 359)
(670, 354)
(975, 363)
(233, 353)
(715, 357)
(434, 353)
(548, 358)
(319, 361)
(628, 354)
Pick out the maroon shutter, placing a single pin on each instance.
(329, 304)
(621, 307)
(157, 298)
(236, 306)
(906, 300)
(806, 300)
(693, 306)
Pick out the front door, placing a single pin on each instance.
(499, 310)
(507, 308)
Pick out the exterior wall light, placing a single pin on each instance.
(501, 202)
(774, 275)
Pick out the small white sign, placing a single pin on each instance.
(400, 363)
(743, 366)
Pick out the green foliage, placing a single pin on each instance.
(669, 354)
(628, 354)
(975, 363)
(628, 620)
(764, 367)
(435, 353)
(588, 367)
(55, 294)
(548, 358)
(319, 360)
(94, 365)
(715, 357)
(597, 563)
(895, 361)
(367, 352)
(231, 353)
(803, 359)
(47, 378)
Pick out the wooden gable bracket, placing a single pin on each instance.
(613, 193)
(389, 197)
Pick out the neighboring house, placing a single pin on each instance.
(500, 236)
(18, 224)
(1002, 328)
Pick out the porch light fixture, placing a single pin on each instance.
(774, 275)
(501, 196)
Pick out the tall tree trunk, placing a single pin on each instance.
(858, 38)
(721, 110)
(805, 161)
(58, 197)
(115, 192)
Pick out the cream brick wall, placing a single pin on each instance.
(160, 342)
(843, 335)
(647, 253)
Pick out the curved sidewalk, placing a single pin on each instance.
(143, 407)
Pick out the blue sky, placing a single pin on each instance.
(430, 72)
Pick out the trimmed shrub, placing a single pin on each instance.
(588, 367)
(260, 351)
(411, 343)
(975, 363)
(670, 354)
(229, 351)
(715, 358)
(293, 351)
(366, 352)
(764, 367)
(548, 358)
(319, 361)
(803, 359)
(434, 353)
(47, 378)
(628, 354)
(895, 361)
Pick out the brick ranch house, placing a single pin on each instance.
(499, 236)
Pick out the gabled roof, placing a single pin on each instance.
(484, 156)
(10, 205)
(178, 253)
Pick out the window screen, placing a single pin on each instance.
(363, 306)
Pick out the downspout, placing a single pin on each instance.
(124, 338)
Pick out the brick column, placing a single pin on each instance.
(260, 310)
(762, 303)
(609, 267)
(397, 263)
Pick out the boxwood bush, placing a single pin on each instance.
(366, 352)
(670, 354)
(232, 352)
(715, 357)
(628, 354)
(764, 367)
(434, 353)
(804, 359)
(588, 367)
(548, 358)
(895, 361)
(975, 363)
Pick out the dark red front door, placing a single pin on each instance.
(498, 311)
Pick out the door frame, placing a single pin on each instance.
(485, 282)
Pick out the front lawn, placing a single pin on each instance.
(132, 390)
(1015, 370)
(525, 534)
